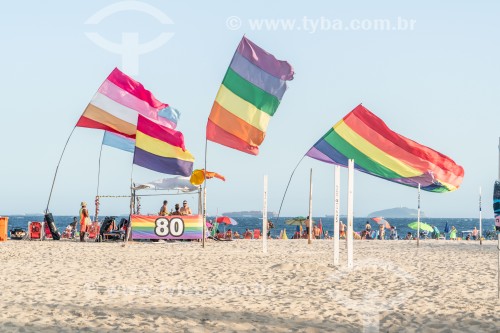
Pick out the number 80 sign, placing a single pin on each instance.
(167, 227)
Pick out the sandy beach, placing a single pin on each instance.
(443, 286)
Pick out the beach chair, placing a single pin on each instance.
(256, 233)
(47, 234)
(35, 230)
(93, 230)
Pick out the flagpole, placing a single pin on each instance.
(336, 223)
(418, 217)
(264, 217)
(480, 220)
(98, 181)
(132, 193)
(57, 168)
(309, 234)
(350, 214)
(286, 189)
(205, 195)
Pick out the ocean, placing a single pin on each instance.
(401, 224)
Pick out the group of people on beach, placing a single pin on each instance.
(184, 210)
(85, 221)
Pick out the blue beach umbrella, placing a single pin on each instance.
(446, 228)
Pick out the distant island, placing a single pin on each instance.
(248, 213)
(403, 212)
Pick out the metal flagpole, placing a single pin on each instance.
(96, 216)
(309, 234)
(336, 222)
(264, 217)
(418, 217)
(205, 197)
(480, 220)
(57, 168)
(350, 210)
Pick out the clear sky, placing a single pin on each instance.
(431, 75)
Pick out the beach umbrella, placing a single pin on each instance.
(226, 220)
(297, 221)
(423, 226)
(446, 228)
(382, 221)
(284, 235)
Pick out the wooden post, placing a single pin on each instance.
(350, 218)
(336, 221)
(309, 234)
(264, 217)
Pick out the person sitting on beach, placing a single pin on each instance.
(342, 230)
(453, 233)
(394, 233)
(467, 237)
(409, 236)
(176, 211)
(381, 232)
(236, 235)
(185, 210)
(368, 227)
(326, 235)
(164, 209)
(247, 234)
(435, 232)
(475, 233)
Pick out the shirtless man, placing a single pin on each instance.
(164, 209)
(317, 232)
(308, 227)
(185, 210)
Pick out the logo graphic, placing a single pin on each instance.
(129, 49)
(371, 302)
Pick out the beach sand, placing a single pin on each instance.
(442, 286)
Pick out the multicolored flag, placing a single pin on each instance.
(118, 141)
(248, 97)
(381, 152)
(118, 102)
(161, 149)
(127, 144)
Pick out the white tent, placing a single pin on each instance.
(177, 183)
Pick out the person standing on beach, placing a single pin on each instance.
(164, 209)
(453, 233)
(308, 226)
(84, 215)
(474, 233)
(185, 210)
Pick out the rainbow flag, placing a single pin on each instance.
(167, 227)
(161, 149)
(379, 151)
(248, 97)
(118, 102)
